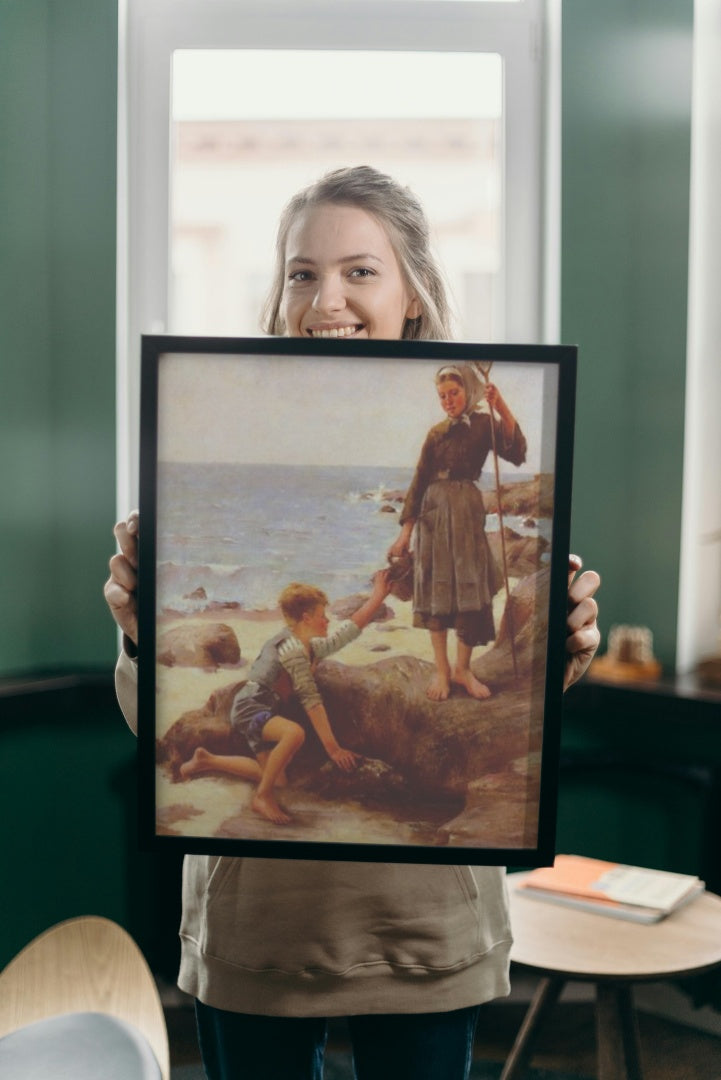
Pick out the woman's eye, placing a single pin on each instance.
(300, 276)
(362, 272)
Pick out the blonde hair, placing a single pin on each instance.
(296, 599)
(402, 216)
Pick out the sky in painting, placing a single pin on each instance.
(325, 411)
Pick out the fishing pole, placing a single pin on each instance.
(482, 370)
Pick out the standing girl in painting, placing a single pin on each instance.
(455, 576)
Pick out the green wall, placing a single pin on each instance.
(625, 202)
(58, 74)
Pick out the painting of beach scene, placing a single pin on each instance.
(352, 599)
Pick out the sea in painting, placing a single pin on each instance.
(242, 532)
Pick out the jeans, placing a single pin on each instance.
(415, 1046)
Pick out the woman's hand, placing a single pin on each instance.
(582, 634)
(398, 548)
(496, 401)
(121, 587)
(401, 545)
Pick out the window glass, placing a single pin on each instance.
(251, 127)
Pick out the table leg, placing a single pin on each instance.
(617, 1033)
(545, 997)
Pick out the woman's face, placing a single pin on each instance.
(342, 277)
(452, 397)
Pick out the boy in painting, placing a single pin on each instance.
(281, 685)
(455, 574)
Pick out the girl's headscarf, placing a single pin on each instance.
(471, 383)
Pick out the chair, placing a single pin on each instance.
(79, 1002)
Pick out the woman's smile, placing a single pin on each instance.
(335, 331)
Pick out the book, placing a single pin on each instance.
(608, 888)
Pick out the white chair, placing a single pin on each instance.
(80, 1002)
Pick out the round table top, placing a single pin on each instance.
(559, 940)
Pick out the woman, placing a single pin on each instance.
(455, 574)
(271, 948)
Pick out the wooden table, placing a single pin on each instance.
(563, 944)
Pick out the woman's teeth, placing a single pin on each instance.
(336, 332)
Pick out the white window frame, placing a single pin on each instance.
(699, 598)
(526, 34)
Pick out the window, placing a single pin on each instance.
(227, 107)
(236, 158)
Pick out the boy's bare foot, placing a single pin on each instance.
(439, 687)
(199, 763)
(267, 807)
(471, 684)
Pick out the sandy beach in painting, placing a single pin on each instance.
(206, 805)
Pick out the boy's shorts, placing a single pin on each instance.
(253, 731)
(249, 715)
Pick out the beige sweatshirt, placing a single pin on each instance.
(284, 937)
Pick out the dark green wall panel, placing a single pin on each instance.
(626, 146)
(25, 400)
(58, 80)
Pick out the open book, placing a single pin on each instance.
(608, 888)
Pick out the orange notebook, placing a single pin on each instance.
(631, 892)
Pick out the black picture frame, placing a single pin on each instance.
(269, 460)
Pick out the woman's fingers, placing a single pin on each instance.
(575, 563)
(581, 605)
(126, 534)
(582, 634)
(121, 587)
(123, 607)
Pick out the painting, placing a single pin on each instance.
(352, 597)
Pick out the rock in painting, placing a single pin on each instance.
(500, 805)
(205, 646)
(526, 498)
(208, 726)
(371, 781)
(196, 594)
(344, 608)
(524, 554)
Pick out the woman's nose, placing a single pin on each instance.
(329, 295)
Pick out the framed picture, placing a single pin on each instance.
(352, 597)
